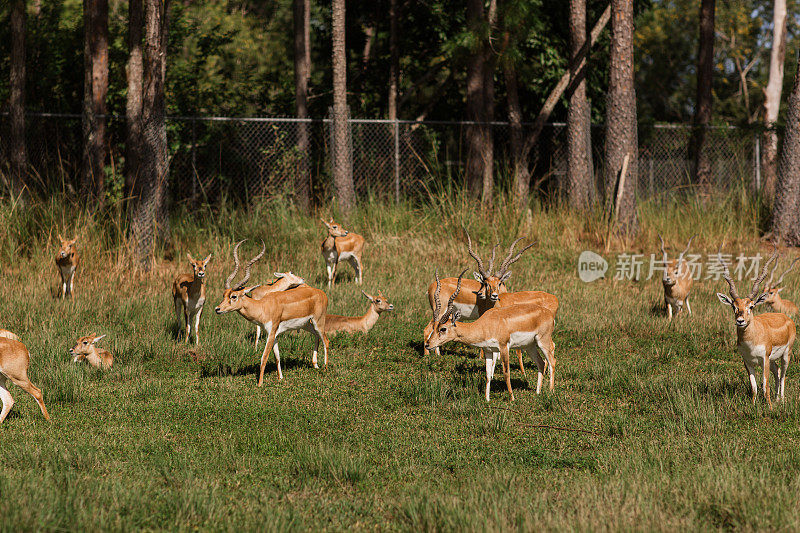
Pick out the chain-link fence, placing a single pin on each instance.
(241, 159)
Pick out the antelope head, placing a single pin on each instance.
(743, 307)
(292, 279)
(380, 302)
(199, 267)
(67, 248)
(674, 270)
(83, 347)
(773, 288)
(232, 298)
(444, 325)
(493, 284)
(334, 229)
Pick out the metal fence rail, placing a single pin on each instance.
(241, 159)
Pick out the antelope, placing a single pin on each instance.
(540, 298)
(189, 295)
(8, 335)
(496, 331)
(14, 361)
(341, 245)
(774, 299)
(677, 281)
(277, 312)
(67, 261)
(352, 324)
(85, 350)
(763, 339)
(481, 293)
(284, 281)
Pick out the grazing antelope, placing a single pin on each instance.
(67, 261)
(677, 280)
(284, 281)
(342, 245)
(277, 312)
(496, 331)
(774, 299)
(189, 295)
(761, 340)
(14, 361)
(352, 324)
(481, 293)
(8, 335)
(85, 350)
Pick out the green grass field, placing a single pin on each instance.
(650, 426)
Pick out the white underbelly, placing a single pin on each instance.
(521, 339)
(754, 355)
(330, 255)
(291, 324)
(346, 256)
(468, 311)
(488, 344)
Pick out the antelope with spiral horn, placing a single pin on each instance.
(277, 312)
(774, 299)
(764, 340)
(677, 281)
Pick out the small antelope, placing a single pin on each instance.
(677, 280)
(498, 330)
(277, 312)
(85, 350)
(8, 335)
(352, 324)
(540, 298)
(342, 245)
(67, 261)
(761, 340)
(774, 299)
(189, 295)
(14, 361)
(284, 281)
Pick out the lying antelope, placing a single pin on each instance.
(496, 331)
(284, 281)
(761, 340)
(277, 312)
(86, 350)
(481, 293)
(14, 361)
(189, 295)
(677, 281)
(774, 299)
(67, 261)
(352, 324)
(342, 245)
(8, 335)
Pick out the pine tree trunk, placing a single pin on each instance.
(342, 161)
(19, 153)
(786, 215)
(95, 89)
(302, 70)
(621, 127)
(772, 101)
(148, 219)
(133, 103)
(702, 115)
(578, 112)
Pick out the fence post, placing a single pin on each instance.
(396, 161)
(757, 160)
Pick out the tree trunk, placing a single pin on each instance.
(578, 113)
(148, 218)
(394, 61)
(342, 161)
(772, 101)
(133, 104)
(621, 127)
(702, 112)
(302, 70)
(522, 176)
(95, 89)
(475, 99)
(19, 154)
(786, 216)
(487, 189)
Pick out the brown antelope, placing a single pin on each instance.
(8, 335)
(479, 294)
(85, 350)
(342, 245)
(497, 331)
(277, 312)
(284, 281)
(14, 361)
(677, 281)
(774, 299)
(189, 295)
(67, 261)
(761, 340)
(351, 324)
(540, 298)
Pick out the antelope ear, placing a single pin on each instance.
(323, 221)
(247, 290)
(370, 298)
(779, 290)
(279, 275)
(207, 259)
(98, 338)
(725, 299)
(478, 277)
(761, 299)
(189, 256)
(60, 238)
(505, 277)
(73, 241)
(455, 315)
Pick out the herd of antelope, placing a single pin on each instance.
(500, 320)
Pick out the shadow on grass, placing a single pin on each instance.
(220, 369)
